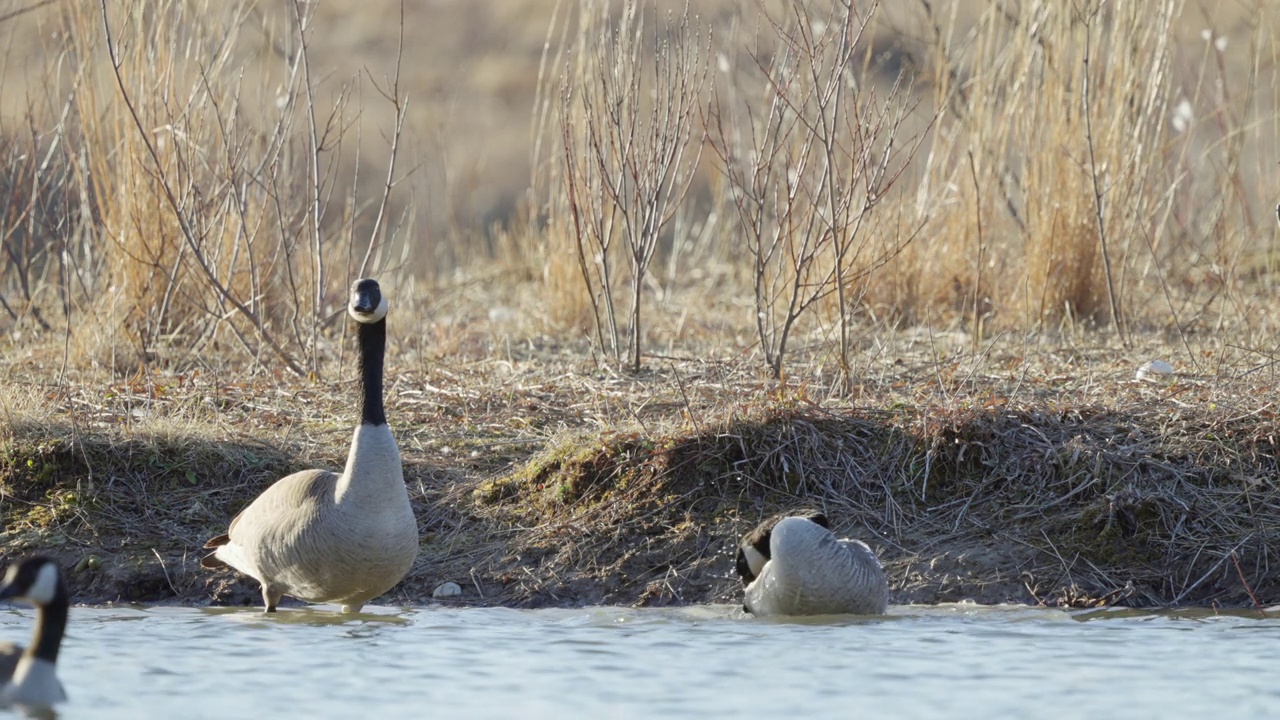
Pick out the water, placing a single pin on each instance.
(954, 661)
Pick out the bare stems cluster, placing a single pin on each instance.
(818, 171)
(629, 122)
(206, 206)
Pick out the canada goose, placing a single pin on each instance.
(791, 564)
(323, 537)
(30, 674)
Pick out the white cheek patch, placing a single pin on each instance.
(373, 317)
(755, 560)
(43, 590)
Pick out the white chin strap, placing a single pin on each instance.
(45, 587)
(373, 317)
(755, 560)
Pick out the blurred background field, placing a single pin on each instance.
(1044, 169)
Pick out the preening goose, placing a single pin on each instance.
(30, 674)
(323, 537)
(794, 565)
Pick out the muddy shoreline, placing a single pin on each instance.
(1156, 497)
(1084, 505)
(971, 573)
(179, 581)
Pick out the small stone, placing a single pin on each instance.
(448, 589)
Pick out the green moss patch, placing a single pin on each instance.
(161, 491)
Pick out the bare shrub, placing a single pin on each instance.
(629, 121)
(211, 186)
(37, 203)
(810, 149)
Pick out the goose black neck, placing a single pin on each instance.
(373, 349)
(51, 622)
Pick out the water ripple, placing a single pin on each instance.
(955, 661)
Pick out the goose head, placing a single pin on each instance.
(753, 551)
(368, 304)
(36, 580)
(30, 676)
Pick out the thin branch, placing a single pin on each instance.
(1093, 176)
(402, 109)
(184, 223)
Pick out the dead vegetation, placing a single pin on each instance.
(1140, 502)
(531, 489)
(1079, 187)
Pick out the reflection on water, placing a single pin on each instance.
(713, 661)
(315, 616)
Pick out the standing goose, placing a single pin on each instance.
(323, 537)
(30, 674)
(794, 565)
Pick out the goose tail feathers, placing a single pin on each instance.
(212, 560)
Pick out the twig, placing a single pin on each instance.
(402, 110)
(1116, 318)
(1187, 590)
(165, 569)
(688, 407)
(977, 279)
(1247, 588)
(313, 136)
(23, 11)
(184, 223)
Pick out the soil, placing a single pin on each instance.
(540, 484)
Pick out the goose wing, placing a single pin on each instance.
(287, 507)
(753, 551)
(812, 572)
(273, 520)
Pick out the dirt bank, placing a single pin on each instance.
(1161, 496)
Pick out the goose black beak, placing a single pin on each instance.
(366, 296)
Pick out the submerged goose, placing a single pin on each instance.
(323, 537)
(794, 565)
(30, 674)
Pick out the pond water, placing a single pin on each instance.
(953, 661)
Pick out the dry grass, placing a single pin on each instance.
(1049, 477)
(1032, 157)
(176, 240)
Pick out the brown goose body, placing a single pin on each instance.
(329, 537)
